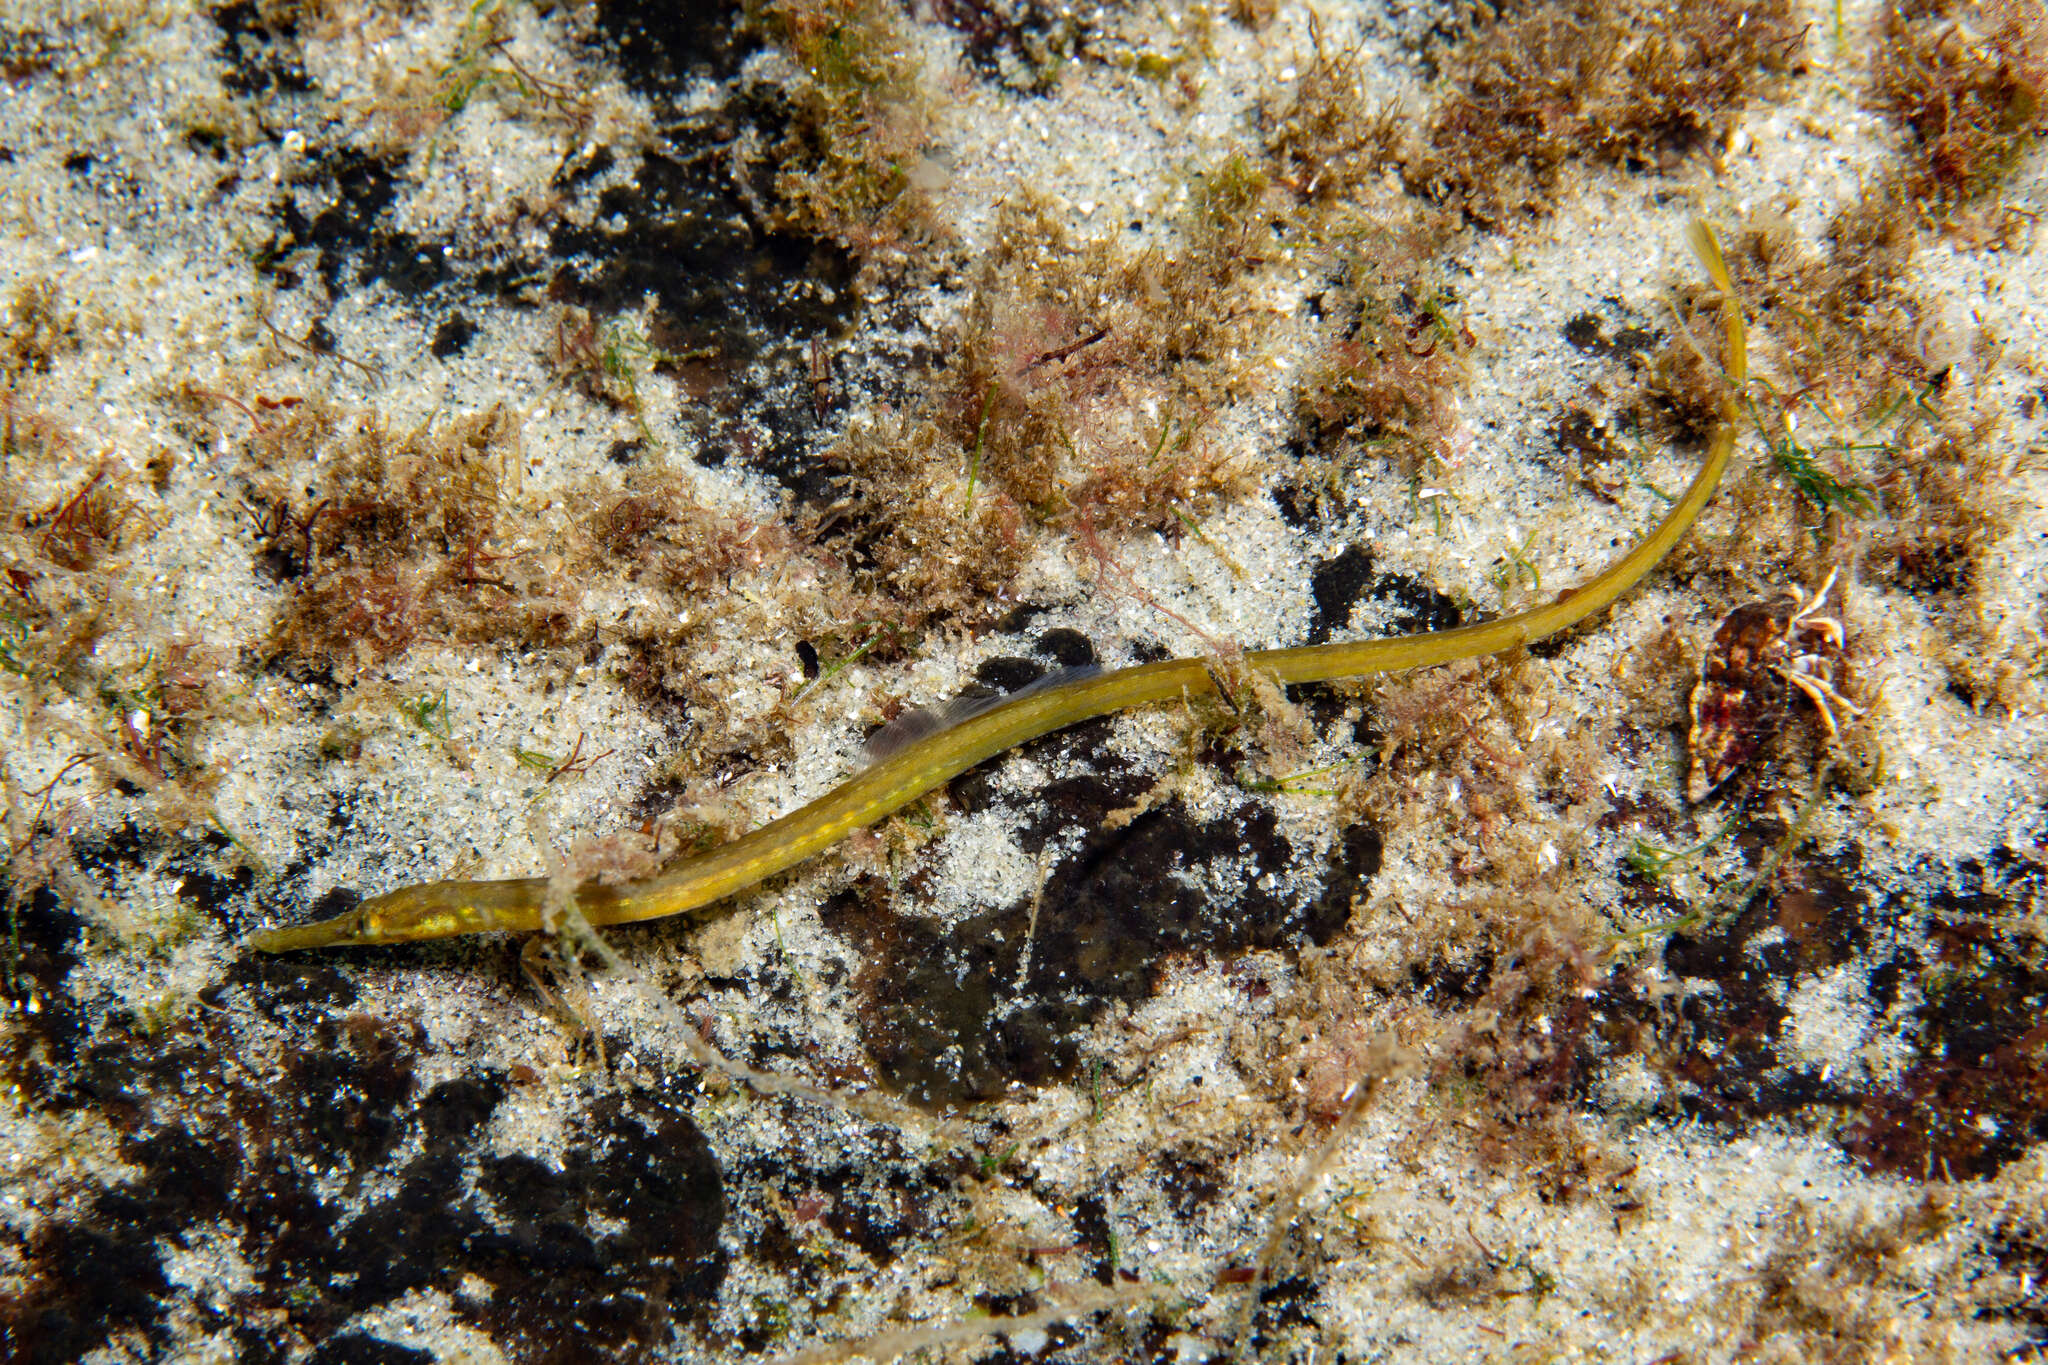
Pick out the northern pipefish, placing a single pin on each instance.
(442, 909)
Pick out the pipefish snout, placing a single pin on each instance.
(443, 909)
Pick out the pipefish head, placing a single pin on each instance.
(431, 910)
(391, 918)
(354, 927)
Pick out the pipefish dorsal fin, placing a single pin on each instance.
(921, 723)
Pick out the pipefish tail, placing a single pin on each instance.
(443, 909)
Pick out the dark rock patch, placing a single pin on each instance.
(1340, 583)
(1021, 45)
(1721, 1048)
(453, 336)
(357, 191)
(259, 44)
(1976, 1097)
(948, 1020)
(1067, 647)
(599, 1257)
(662, 47)
(1588, 334)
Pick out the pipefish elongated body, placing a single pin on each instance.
(444, 909)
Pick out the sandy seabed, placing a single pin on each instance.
(450, 440)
